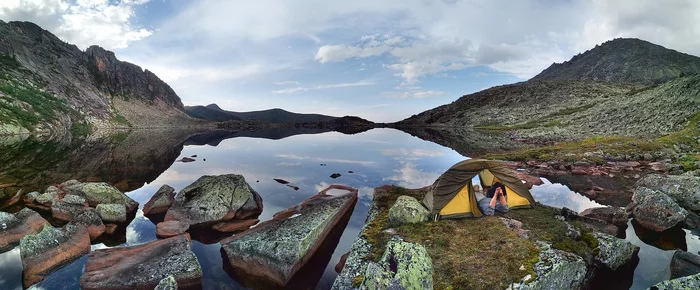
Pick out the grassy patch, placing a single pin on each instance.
(119, 119)
(9, 61)
(688, 161)
(537, 123)
(35, 106)
(80, 129)
(120, 136)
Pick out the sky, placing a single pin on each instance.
(382, 60)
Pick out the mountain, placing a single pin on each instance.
(213, 112)
(605, 91)
(48, 85)
(624, 60)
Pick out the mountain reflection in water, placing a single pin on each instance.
(141, 161)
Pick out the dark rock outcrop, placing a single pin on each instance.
(213, 199)
(142, 266)
(655, 210)
(51, 248)
(161, 201)
(13, 227)
(278, 248)
(684, 264)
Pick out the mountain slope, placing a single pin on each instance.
(213, 112)
(93, 86)
(626, 60)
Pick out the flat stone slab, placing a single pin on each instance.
(278, 248)
(13, 227)
(143, 266)
(171, 229)
(50, 249)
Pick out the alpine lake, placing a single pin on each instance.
(139, 162)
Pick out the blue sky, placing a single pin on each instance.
(380, 60)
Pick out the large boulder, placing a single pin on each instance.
(404, 265)
(112, 212)
(655, 210)
(557, 269)
(685, 190)
(278, 248)
(687, 282)
(405, 210)
(171, 229)
(92, 221)
(614, 215)
(13, 227)
(614, 253)
(212, 199)
(101, 193)
(142, 266)
(161, 201)
(65, 211)
(594, 224)
(50, 249)
(684, 264)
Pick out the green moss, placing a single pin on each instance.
(357, 281)
(688, 161)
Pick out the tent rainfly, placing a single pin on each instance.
(452, 194)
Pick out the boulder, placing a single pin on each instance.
(101, 193)
(171, 229)
(692, 221)
(167, 283)
(685, 190)
(234, 226)
(212, 199)
(278, 248)
(30, 197)
(404, 265)
(161, 201)
(557, 269)
(593, 224)
(341, 263)
(656, 211)
(13, 227)
(687, 282)
(684, 264)
(48, 196)
(92, 221)
(50, 249)
(74, 199)
(614, 215)
(112, 212)
(614, 253)
(142, 266)
(405, 210)
(67, 211)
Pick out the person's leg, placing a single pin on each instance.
(502, 208)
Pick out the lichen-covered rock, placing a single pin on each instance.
(48, 196)
(92, 221)
(404, 265)
(50, 249)
(278, 248)
(73, 199)
(614, 215)
(557, 269)
(161, 201)
(407, 210)
(656, 211)
(517, 227)
(685, 190)
(101, 193)
(688, 282)
(212, 199)
(30, 197)
(614, 253)
(13, 227)
(171, 229)
(112, 212)
(67, 211)
(167, 283)
(684, 264)
(142, 266)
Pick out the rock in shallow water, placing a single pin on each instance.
(161, 201)
(142, 266)
(212, 199)
(171, 229)
(687, 282)
(92, 221)
(614, 253)
(13, 227)
(50, 249)
(685, 190)
(405, 210)
(278, 248)
(684, 264)
(102, 193)
(614, 215)
(656, 211)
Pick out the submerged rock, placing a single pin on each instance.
(687, 282)
(655, 210)
(102, 193)
(13, 227)
(142, 266)
(407, 210)
(557, 269)
(614, 253)
(614, 215)
(685, 190)
(404, 265)
(684, 264)
(278, 248)
(161, 201)
(112, 212)
(212, 199)
(50, 249)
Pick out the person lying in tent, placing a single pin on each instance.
(495, 200)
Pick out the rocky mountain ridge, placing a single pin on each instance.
(213, 112)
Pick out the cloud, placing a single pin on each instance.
(411, 152)
(414, 94)
(409, 176)
(83, 22)
(328, 53)
(327, 160)
(321, 87)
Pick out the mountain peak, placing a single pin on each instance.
(214, 107)
(624, 60)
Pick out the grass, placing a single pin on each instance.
(537, 123)
(40, 106)
(80, 129)
(119, 119)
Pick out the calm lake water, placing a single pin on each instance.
(140, 164)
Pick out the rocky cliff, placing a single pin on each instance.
(48, 85)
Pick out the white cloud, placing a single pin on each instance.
(321, 87)
(342, 52)
(326, 160)
(414, 94)
(409, 176)
(84, 22)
